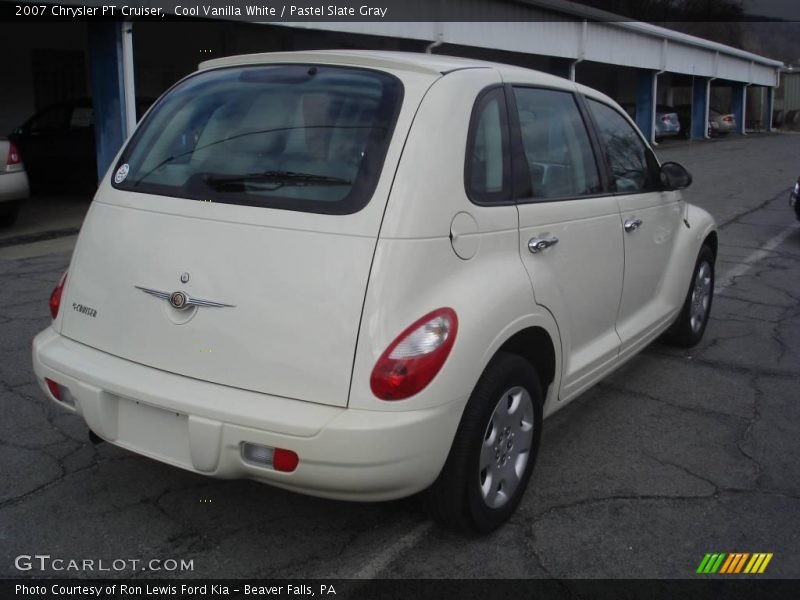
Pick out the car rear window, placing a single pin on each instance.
(298, 137)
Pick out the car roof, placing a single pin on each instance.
(431, 64)
(408, 61)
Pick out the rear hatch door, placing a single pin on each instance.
(274, 291)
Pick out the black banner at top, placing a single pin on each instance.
(309, 11)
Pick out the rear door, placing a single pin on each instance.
(570, 232)
(650, 220)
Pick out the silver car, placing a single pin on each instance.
(13, 182)
(721, 123)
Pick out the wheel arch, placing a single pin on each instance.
(536, 347)
(712, 241)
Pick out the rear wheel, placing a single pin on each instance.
(691, 324)
(8, 213)
(494, 450)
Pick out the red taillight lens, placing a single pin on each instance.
(414, 358)
(54, 389)
(55, 297)
(666, 118)
(728, 118)
(284, 460)
(13, 155)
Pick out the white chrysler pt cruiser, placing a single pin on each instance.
(361, 275)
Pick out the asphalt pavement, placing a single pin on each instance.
(678, 454)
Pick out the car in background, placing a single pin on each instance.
(667, 122)
(794, 198)
(58, 143)
(721, 123)
(13, 182)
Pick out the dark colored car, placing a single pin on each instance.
(58, 144)
(794, 198)
(685, 115)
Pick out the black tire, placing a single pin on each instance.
(456, 499)
(8, 214)
(688, 329)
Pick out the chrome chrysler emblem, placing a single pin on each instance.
(181, 300)
(177, 300)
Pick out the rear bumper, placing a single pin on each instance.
(344, 453)
(13, 186)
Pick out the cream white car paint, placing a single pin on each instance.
(318, 298)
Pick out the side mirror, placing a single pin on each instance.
(674, 176)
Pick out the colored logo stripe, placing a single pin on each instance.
(711, 563)
(734, 563)
(758, 563)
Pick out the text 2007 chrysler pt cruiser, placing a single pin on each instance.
(360, 275)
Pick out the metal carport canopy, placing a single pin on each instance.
(544, 28)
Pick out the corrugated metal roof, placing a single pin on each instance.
(572, 31)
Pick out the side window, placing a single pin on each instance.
(488, 165)
(81, 118)
(557, 148)
(626, 153)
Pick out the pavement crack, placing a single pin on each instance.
(683, 407)
(753, 421)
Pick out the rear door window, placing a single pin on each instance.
(298, 137)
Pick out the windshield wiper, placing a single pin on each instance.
(169, 159)
(273, 180)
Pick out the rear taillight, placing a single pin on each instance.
(55, 297)
(13, 157)
(54, 388)
(666, 118)
(285, 460)
(60, 392)
(414, 358)
(279, 459)
(728, 118)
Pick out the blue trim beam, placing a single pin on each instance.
(108, 91)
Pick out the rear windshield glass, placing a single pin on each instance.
(297, 137)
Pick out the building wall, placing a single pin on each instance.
(789, 91)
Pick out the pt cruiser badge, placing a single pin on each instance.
(182, 300)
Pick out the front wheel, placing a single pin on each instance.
(688, 330)
(495, 448)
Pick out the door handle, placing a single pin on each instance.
(536, 245)
(632, 224)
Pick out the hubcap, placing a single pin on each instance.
(701, 297)
(506, 447)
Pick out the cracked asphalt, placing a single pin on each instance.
(677, 454)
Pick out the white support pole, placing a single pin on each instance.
(127, 77)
